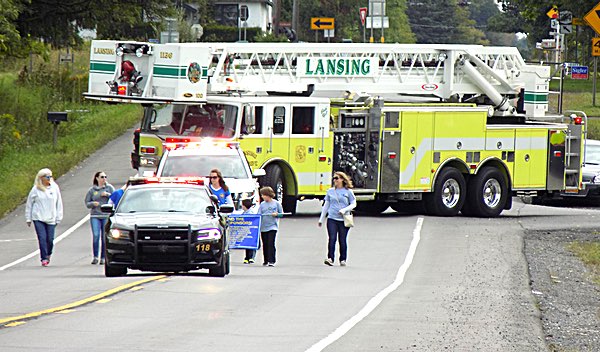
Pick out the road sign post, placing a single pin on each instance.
(362, 12)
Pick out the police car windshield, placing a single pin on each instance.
(164, 199)
(231, 166)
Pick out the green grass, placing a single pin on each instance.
(589, 253)
(19, 167)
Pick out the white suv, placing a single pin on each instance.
(197, 159)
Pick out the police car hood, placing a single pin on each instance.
(127, 221)
(238, 185)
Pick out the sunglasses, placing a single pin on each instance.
(336, 178)
(48, 177)
(103, 176)
(214, 177)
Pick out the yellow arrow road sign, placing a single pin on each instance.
(593, 18)
(318, 23)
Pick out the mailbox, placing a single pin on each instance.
(57, 117)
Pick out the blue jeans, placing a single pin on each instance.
(45, 235)
(337, 232)
(98, 225)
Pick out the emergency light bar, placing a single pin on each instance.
(176, 180)
(186, 144)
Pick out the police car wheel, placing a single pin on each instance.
(112, 271)
(221, 269)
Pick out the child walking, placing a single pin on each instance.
(270, 211)
(247, 209)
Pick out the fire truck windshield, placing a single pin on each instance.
(208, 120)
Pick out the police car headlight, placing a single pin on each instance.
(119, 234)
(208, 234)
(596, 179)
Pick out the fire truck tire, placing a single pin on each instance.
(486, 194)
(112, 271)
(448, 194)
(274, 179)
(371, 207)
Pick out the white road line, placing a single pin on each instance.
(377, 299)
(18, 240)
(56, 240)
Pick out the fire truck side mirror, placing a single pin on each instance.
(249, 119)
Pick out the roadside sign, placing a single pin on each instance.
(363, 14)
(329, 33)
(566, 29)
(579, 22)
(318, 23)
(63, 58)
(579, 72)
(593, 18)
(595, 46)
(375, 22)
(553, 12)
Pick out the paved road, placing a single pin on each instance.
(465, 286)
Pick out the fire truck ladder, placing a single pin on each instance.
(393, 70)
(191, 72)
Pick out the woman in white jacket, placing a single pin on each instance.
(44, 207)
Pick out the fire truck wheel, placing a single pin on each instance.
(274, 179)
(371, 207)
(448, 194)
(486, 194)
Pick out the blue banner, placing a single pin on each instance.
(244, 231)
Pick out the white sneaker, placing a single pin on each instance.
(328, 261)
(271, 264)
(343, 263)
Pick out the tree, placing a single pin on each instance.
(9, 36)
(442, 21)
(399, 31)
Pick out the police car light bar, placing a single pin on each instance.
(178, 180)
(171, 144)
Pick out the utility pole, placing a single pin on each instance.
(295, 15)
(276, 16)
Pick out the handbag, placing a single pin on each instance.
(348, 219)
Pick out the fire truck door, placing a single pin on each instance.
(390, 153)
(416, 150)
(531, 155)
(256, 144)
(304, 145)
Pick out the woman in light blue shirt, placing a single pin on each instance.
(338, 201)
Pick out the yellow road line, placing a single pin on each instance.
(79, 303)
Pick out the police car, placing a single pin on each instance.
(198, 158)
(167, 224)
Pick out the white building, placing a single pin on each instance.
(259, 13)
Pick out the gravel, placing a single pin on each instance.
(568, 299)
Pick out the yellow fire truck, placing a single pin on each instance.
(435, 128)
